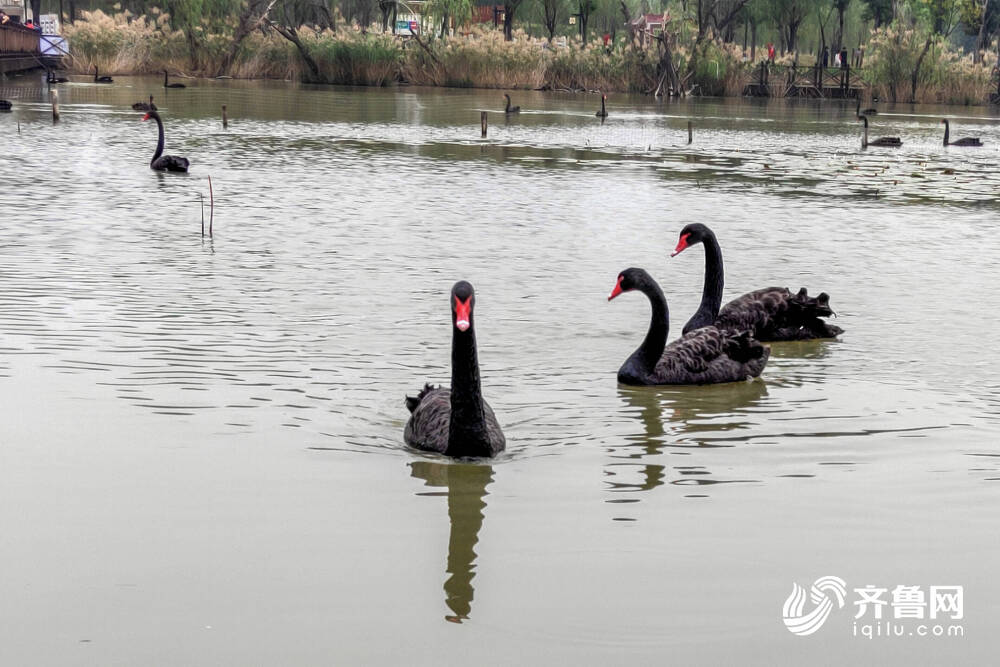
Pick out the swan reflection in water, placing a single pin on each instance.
(670, 416)
(466, 490)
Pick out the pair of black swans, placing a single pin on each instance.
(894, 142)
(720, 344)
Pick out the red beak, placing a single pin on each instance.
(617, 290)
(463, 313)
(682, 243)
(146, 117)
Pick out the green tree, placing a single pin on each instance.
(509, 8)
(879, 11)
(554, 11)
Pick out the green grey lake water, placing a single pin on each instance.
(201, 456)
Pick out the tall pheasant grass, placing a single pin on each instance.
(946, 76)
(127, 44)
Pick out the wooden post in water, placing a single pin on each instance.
(225, 119)
(211, 208)
(690, 133)
(55, 106)
(482, 122)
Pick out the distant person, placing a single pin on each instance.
(826, 57)
(836, 59)
(770, 51)
(844, 62)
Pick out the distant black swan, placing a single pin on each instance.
(101, 79)
(171, 85)
(52, 78)
(705, 356)
(5, 105)
(966, 141)
(145, 106)
(872, 111)
(456, 422)
(881, 141)
(769, 314)
(509, 108)
(161, 162)
(603, 113)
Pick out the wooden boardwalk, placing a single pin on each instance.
(770, 80)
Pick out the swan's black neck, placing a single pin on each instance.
(715, 279)
(946, 132)
(508, 102)
(467, 434)
(864, 140)
(159, 141)
(164, 78)
(643, 361)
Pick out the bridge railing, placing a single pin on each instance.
(16, 39)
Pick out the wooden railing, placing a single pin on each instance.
(805, 81)
(16, 39)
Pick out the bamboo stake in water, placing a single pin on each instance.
(55, 106)
(211, 208)
(690, 133)
(482, 122)
(202, 196)
(225, 119)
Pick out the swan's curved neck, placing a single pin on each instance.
(643, 361)
(715, 279)
(947, 132)
(603, 110)
(508, 102)
(159, 141)
(467, 428)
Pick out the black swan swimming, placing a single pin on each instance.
(769, 314)
(5, 105)
(457, 421)
(872, 111)
(171, 85)
(603, 113)
(145, 106)
(509, 108)
(52, 78)
(965, 141)
(101, 79)
(706, 356)
(161, 162)
(881, 141)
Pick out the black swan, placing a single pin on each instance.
(509, 108)
(867, 112)
(966, 141)
(171, 85)
(603, 113)
(101, 79)
(456, 422)
(881, 141)
(161, 162)
(52, 78)
(5, 105)
(705, 356)
(768, 314)
(145, 106)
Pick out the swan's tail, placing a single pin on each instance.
(412, 403)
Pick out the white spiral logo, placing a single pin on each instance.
(820, 594)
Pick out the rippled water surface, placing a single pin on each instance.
(201, 456)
